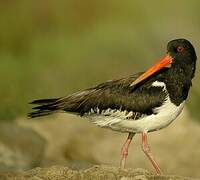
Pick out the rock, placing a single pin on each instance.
(20, 148)
(93, 173)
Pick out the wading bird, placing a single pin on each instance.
(140, 103)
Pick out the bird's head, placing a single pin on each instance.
(180, 52)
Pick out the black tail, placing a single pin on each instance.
(74, 103)
(45, 107)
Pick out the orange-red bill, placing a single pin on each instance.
(164, 62)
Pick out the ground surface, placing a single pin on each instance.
(93, 173)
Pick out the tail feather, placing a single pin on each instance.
(39, 113)
(44, 101)
(45, 107)
(71, 103)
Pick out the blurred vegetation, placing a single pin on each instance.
(52, 48)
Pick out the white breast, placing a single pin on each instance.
(164, 115)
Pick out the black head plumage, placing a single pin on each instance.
(183, 54)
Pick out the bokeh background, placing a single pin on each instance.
(52, 48)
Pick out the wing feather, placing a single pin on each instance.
(115, 94)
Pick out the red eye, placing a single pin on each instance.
(180, 49)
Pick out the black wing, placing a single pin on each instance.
(116, 95)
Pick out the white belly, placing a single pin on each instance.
(167, 113)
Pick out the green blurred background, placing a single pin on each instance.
(53, 48)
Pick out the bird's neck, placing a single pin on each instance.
(178, 80)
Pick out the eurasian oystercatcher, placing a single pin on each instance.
(140, 103)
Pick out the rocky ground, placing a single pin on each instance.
(93, 173)
(74, 143)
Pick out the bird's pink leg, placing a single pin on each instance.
(146, 149)
(124, 150)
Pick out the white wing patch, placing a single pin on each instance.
(158, 83)
(108, 118)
